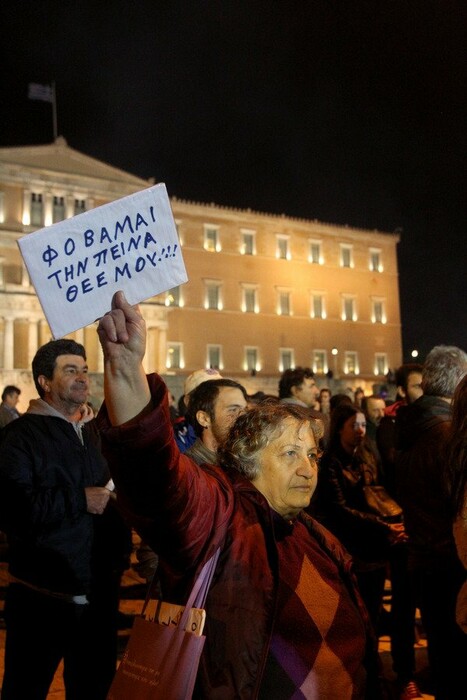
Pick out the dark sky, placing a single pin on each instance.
(348, 112)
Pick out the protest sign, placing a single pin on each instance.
(76, 265)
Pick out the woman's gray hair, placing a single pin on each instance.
(254, 430)
(444, 367)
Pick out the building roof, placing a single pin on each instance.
(61, 158)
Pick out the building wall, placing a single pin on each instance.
(57, 170)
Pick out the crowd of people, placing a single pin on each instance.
(315, 500)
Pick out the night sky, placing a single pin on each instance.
(347, 112)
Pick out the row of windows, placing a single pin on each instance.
(212, 243)
(249, 304)
(39, 213)
(251, 360)
(43, 210)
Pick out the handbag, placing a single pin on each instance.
(162, 656)
(380, 503)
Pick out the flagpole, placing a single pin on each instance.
(54, 111)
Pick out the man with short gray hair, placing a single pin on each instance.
(435, 568)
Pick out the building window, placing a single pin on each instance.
(211, 239)
(315, 253)
(213, 297)
(286, 359)
(282, 250)
(349, 312)
(346, 255)
(318, 309)
(214, 357)
(174, 356)
(378, 311)
(283, 303)
(250, 299)
(381, 364)
(351, 363)
(173, 297)
(58, 209)
(248, 243)
(320, 362)
(250, 362)
(79, 206)
(375, 263)
(37, 209)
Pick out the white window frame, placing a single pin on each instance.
(346, 298)
(284, 295)
(286, 359)
(381, 363)
(378, 315)
(58, 208)
(318, 259)
(346, 249)
(372, 255)
(212, 242)
(173, 297)
(317, 295)
(210, 285)
(80, 205)
(40, 208)
(351, 360)
(283, 247)
(214, 348)
(247, 290)
(248, 352)
(319, 363)
(175, 349)
(250, 248)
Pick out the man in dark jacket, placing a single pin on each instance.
(67, 543)
(435, 568)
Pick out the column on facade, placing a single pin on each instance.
(48, 213)
(33, 340)
(69, 206)
(26, 218)
(44, 332)
(25, 280)
(8, 343)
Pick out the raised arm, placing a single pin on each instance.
(122, 334)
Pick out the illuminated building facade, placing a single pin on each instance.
(265, 292)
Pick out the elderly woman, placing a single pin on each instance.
(284, 617)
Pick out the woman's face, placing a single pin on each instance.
(288, 468)
(352, 432)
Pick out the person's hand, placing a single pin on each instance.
(97, 498)
(87, 413)
(397, 533)
(122, 332)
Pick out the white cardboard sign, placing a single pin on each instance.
(76, 265)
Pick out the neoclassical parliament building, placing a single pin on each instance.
(265, 291)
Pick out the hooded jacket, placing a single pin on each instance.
(44, 469)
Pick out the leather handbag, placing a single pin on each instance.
(162, 655)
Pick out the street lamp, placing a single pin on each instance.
(334, 353)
